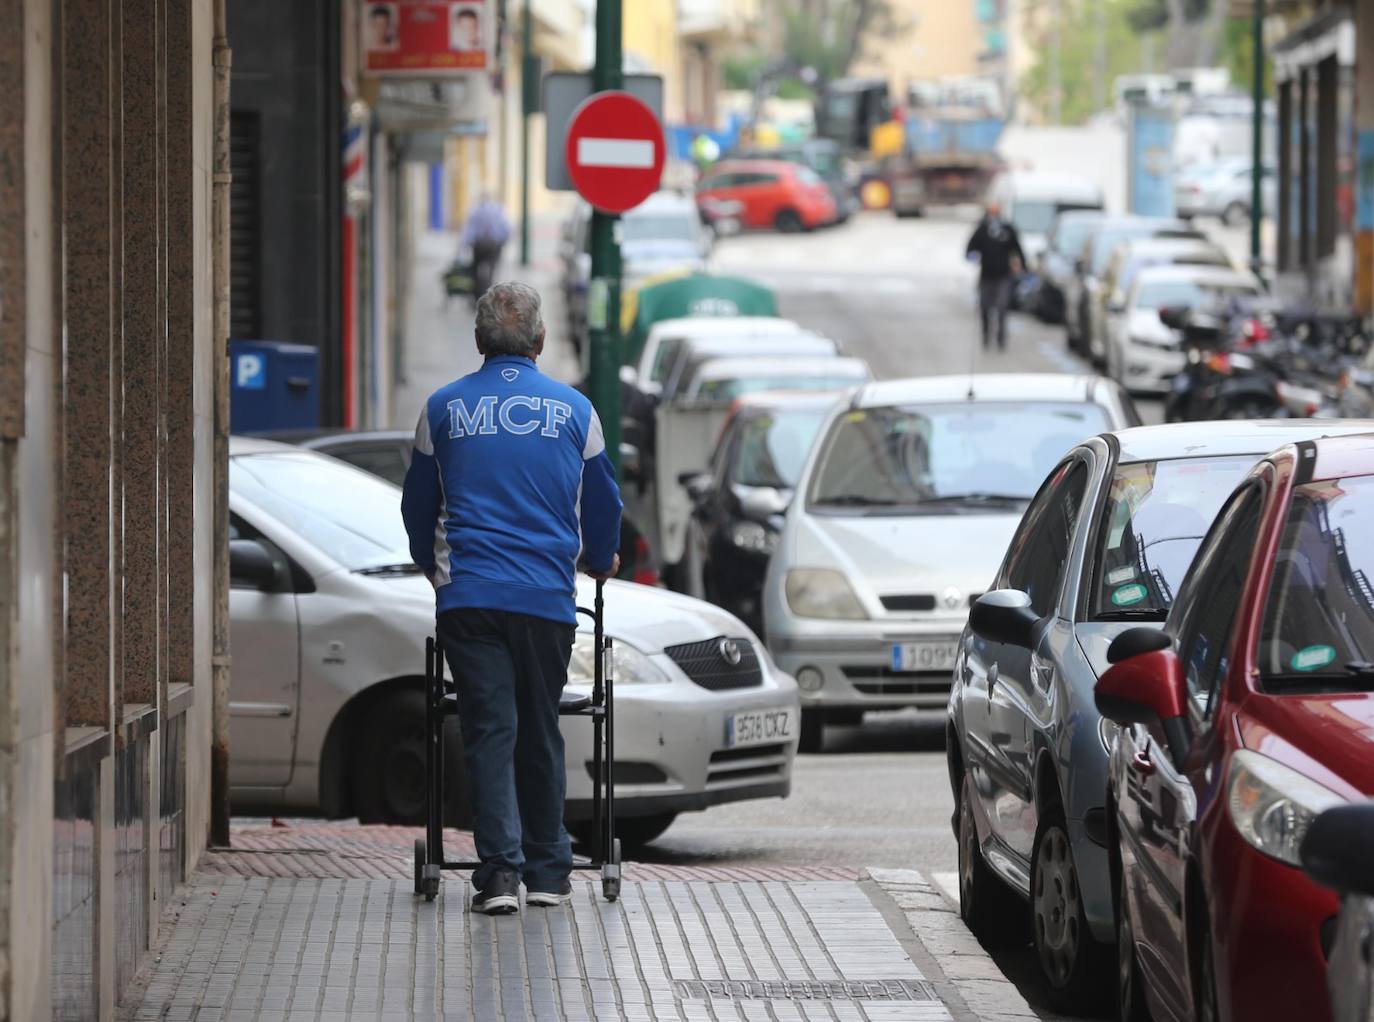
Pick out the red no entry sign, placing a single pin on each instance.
(614, 151)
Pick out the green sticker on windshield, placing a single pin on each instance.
(1129, 595)
(1312, 657)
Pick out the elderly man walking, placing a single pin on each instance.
(508, 483)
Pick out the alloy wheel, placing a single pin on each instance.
(968, 851)
(1056, 903)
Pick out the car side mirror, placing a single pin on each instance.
(697, 484)
(1145, 685)
(629, 375)
(251, 565)
(763, 504)
(1338, 849)
(1005, 616)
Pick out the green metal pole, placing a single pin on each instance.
(527, 93)
(604, 300)
(1257, 173)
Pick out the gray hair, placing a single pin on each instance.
(508, 319)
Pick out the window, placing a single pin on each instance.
(1040, 549)
(384, 460)
(1207, 606)
(773, 446)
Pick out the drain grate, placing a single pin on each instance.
(805, 989)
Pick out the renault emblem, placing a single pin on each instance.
(730, 652)
(953, 597)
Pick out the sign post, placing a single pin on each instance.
(604, 376)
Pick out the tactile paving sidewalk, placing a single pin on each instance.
(325, 850)
(289, 950)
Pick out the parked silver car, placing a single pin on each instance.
(329, 621)
(1103, 547)
(1224, 189)
(901, 515)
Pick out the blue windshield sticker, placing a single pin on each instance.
(1130, 595)
(1312, 657)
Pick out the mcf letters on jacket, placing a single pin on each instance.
(508, 483)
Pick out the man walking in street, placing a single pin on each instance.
(997, 248)
(485, 234)
(508, 483)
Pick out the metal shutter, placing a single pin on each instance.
(245, 225)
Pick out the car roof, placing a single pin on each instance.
(1340, 456)
(803, 342)
(1061, 187)
(1197, 272)
(775, 166)
(733, 368)
(243, 445)
(1227, 436)
(703, 325)
(361, 436)
(980, 387)
(786, 400)
(665, 201)
(1144, 247)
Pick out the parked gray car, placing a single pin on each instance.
(1102, 547)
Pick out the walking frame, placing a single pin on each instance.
(441, 702)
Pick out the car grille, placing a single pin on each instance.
(705, 663)
(755, 763)
(883, 681)
(908, 602)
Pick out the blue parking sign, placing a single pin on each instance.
(250, 372)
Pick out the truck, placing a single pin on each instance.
(949, 151)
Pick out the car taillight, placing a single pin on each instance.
(1220, 363)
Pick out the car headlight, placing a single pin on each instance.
(824, 593)
(1273, 805)
(753, 536)
(631, 666)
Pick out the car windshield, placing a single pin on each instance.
(1318, 630)
(807, 176)
(351, 517)
(1192, 294)
(737, 386)
(1156, 515)
(1107, 239)
(1033, 217)
(936, 458)
(658, 227)
(1070, 233)
(773, 446)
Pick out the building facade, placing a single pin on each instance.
(108, 510)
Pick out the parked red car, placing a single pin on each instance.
(767, 193)
(1246, 717)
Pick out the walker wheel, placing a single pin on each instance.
(419, 865)
(429, 881)
(610, 888)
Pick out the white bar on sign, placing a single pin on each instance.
(636, 153)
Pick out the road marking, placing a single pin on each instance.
(615, 152)
(948, 884)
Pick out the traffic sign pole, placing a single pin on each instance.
(604, 376)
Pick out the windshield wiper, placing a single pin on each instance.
(1133, 614)
(976, 497)
(390, 570)
(858, 500)
(1359, 677)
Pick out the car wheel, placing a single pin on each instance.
(633, 831)
(812, 731)
(788, 221)
(1130, 993)
(389, 775)
(1071, 961)
(989, 908)
(1234, 213)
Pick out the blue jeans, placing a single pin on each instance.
(510, 670)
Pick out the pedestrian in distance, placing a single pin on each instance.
(997, 248)
(485, 234)
(508, 482)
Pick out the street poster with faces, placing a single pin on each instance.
(426, 38)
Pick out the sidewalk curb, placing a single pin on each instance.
(929, 928)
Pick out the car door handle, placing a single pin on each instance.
(992, 675)
(1142, 763)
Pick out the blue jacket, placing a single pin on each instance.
(508, 483)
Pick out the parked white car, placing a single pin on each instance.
(1143, 354)
(329, 623)
(667, 336)
(900, 520)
